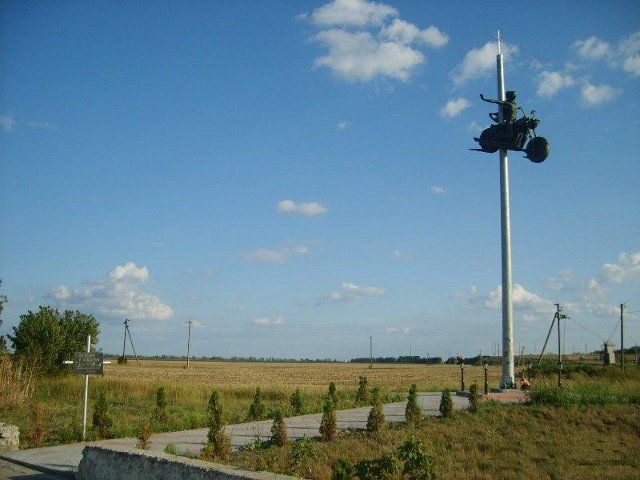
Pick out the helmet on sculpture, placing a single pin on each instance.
(511, 95)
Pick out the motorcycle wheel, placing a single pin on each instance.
(537, 149)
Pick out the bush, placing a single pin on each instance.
(218, 449)
(362, 394)
(101, 420)
(302, 451)
(161, 405)
(579, 395)
(474, 398)
(297, 404)
(214, 417)
(143, 435)
(333, 392)
(412, 413)
(329, 424)
(257, 408)
(343, 470)
(417, 464)
(375, 421)
(122, 360)
(171, 449)
(446, 404)
(279, 430)
(383, 468)
(45, 338)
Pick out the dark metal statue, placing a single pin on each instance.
(513, 132)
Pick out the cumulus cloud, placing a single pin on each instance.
(550, 83)
(454, 107)
(479, 62)
(627, 268)
(436, 190)
(268, 321)
(593, 48)
(360, 57)
(281, 255)
(358, 13)
(522, 300)
(564, 280)
(403, 331)
(8, 122)
(399, 254)
(343, 125)
(593, 95)
(474, 127)
(407, 33)
(629, 48)
(117, 295)
(307, 209)
(351, 292)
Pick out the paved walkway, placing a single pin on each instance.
(65, 458)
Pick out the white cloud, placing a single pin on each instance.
(351, 292)
(474, 127)
(197, 324)
(627, 268)
(593, 289)
(8, 122)
(117, 295)
(399, 254)
(550, 83)
(360, 57)
(45, 125)
(593, 48)
(478, 62)
(403, 331)
(629, 48)
(307, 209)
(521, 299)
(407, 33)
(593, 95)
(358, 13)
(454, 107)
(564, 280)
(436, 190)
(268, 321)
(343, 125)
(281, 255)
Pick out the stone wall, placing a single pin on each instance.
(115, 463)
(9, 437)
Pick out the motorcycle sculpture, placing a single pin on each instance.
(514, 133)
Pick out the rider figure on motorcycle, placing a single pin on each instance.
(509, 108)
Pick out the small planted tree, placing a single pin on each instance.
(218, 443)
(257, 408)
(412, 413)
(143, 434)
(329, 423)
(362, 394)
(296, 402)
(101, 420)
(474, 398)
(279, 430)
(375, 421)
(446, 404)
(333, 393)
(161, 405)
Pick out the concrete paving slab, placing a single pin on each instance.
(65, 458)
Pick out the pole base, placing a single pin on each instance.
(508, 383)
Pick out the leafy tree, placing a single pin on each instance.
(375, 421)
(412, 412)
(446, 404)
(362, 394)
(257, 408)
(474, 398)
(279, 430)
(329, 423)
(45, 338)
(333, 393)
(3, 341)
(102, 422)
(296, 401)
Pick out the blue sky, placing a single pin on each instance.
(295, 176)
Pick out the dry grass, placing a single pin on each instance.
(16, 382)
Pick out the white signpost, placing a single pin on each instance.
(86, 363)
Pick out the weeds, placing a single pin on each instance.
(143, 435)
(16, 382)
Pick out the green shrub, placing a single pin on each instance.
(257, 408)
(362, 394)
(329, 423)
(302, 451)
(279, 430)
(171, 449)
(446, 404)
(375, 420)
(383, 468)
(579, 395)
(417, 464)
(161, 405)
(333, 392)
(296, 402)
(474, 398)
(214, 417)
(101, 421)
(143, 434)
(343, 470)
(218, 449)
(412, 412)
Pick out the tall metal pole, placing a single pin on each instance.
(86, 395)
(622, 336)
(508, 376)
(189, 341)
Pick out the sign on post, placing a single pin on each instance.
(88, 363)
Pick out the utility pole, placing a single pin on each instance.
(508, 375)
(558, 316)
(370, 351)
(622, 336)
(555, 316)
(124, 341)
(189, 322)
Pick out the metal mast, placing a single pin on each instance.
(508, 376)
